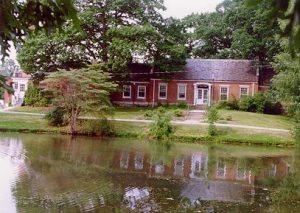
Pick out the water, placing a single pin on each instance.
(46, 173)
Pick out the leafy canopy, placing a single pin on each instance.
(80, 91)
(116, 33)
(20, 18)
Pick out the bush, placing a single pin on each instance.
(182, 105)
(212, 130)
(161, 128)
(33, 97)
(274, 108)
(212, 117)
(148, 114)
(261, 103)
(254, 103)
(222, 105)
(97, 127)
(57, 117)
(178, 113)
(233, 104)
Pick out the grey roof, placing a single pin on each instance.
(220, 70)
(202, 69)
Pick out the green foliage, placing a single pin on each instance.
(112, 40)
(20, 18)
(212, 117)
(97, 127)
(254, 103)
(34, 97)
(182, 105)
(212, 130)
(178, 112)
(287, 11)
(234, 31)
(161, 127)
(286, 84)
(261, 103)
(149, 113)
(57, 117)
(80, 91)
(4, 85)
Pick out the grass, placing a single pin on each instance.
(256, 119)
(29, 109)
(238, 117)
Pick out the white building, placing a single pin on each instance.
(20, 85)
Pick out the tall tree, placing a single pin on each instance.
(235, 31)
(80, 91)
(115, 31)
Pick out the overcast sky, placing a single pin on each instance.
(178, 9)
(181, 8)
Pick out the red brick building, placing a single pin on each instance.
(202, 82)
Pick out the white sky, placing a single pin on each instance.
(182, 8)
(177, 9)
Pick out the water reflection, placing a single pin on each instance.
(84, 174)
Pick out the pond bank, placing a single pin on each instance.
(183, 133)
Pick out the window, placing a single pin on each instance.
(141, 92)
(16, 86)
(181, 92)
(244, 92)
(162, 91)
(22, 87)
(221, 168)
(223, 93)
(126, 91)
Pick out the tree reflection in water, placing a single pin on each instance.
(86, 174)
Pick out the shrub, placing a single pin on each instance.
(57, 117)
(148, 113)
(34, 97)
(212, 117)
(97, 127)
(222, 105)
(261, 103)
(254, 103)
(178, 112)
(182, 105)
(233, 104)
(161, 128)
(274, 108)
(212, 130)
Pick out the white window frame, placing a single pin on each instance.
(185, 89)
(129, 91)
(244, 87)
(22, 87)
(138, 92)
(166, 85)
(227, 94)
(16, 86)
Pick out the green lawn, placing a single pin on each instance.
(256, 119)
(185, 133)
(29, 109)
(237, 117)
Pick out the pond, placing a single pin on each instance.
(49, 173)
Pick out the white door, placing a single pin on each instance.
(202, 96)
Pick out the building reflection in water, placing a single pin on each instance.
(200, 175)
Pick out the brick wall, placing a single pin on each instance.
(172, 92)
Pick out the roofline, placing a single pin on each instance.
(206, 80)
